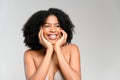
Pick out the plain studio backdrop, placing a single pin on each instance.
(97, 33)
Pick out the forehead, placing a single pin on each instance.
(51, 18)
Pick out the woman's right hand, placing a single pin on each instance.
(43, 41)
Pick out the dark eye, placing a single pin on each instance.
(46, 25)
(57, 25)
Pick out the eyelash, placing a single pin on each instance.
(49, 25)
(46, 26)
(57, 25)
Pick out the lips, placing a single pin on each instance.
(52, 36)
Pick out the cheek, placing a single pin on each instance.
(45, 31)
(59, 33)
(59, 30)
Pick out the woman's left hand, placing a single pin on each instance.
(62, 40)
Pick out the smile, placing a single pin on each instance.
(52, 36)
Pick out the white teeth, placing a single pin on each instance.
(52, 36)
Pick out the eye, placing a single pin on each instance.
(57, 25)
(46, 25)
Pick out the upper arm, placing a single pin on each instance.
(75, 58)
(29, 64)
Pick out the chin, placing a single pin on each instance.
(52, 41)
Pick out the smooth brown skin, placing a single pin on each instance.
(56, 55)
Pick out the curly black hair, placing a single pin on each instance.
(32, 26)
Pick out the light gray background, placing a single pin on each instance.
(97, 35)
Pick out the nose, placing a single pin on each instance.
(52, 28)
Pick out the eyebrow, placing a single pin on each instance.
(50, 23)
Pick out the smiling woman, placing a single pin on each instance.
(52, 29)
(48, 35)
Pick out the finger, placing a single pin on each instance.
(64, 34)
(39, 34)
(42, 34)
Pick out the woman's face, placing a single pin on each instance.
(52, 29)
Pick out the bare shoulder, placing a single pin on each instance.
(74, 49)
(32, 58)
(73, 45)
(28, 52)
(31, 53)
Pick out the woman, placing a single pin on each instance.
(51, 56)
